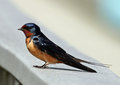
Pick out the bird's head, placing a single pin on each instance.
(30, 29)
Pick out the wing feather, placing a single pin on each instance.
(46, 45)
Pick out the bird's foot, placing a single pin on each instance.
(43, 66)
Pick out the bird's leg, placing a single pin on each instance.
(43, 66)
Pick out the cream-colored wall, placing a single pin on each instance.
(77, 24)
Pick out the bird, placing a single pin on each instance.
(44, 49)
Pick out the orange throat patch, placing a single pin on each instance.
(27, 33)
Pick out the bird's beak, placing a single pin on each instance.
(20, 29)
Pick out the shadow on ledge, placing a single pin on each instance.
(65, 69)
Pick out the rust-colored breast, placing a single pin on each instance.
(39, 54)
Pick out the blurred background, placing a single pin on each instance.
(90, 26)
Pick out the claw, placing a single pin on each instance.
(43, 66)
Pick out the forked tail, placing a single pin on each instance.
(92, 63)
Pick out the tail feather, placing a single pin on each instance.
(92, 63)
(76, 64)
(80, 66)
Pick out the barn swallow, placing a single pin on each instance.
(44, 49)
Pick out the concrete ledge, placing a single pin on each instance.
(15, 58)
(18, 69)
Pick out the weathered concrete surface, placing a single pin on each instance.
(17, 60)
